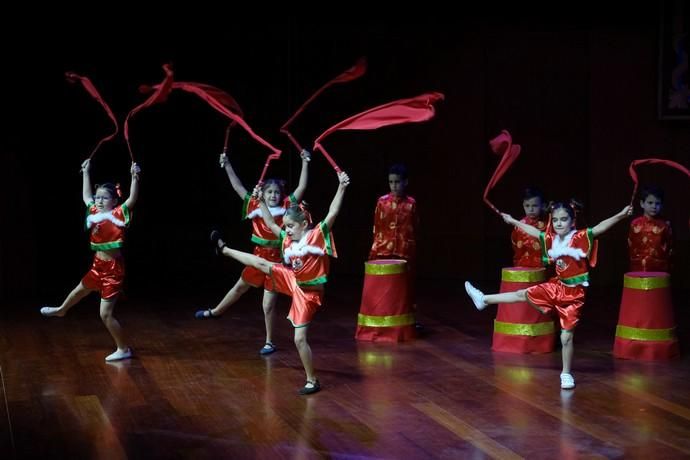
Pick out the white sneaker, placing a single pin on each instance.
(50, 311)
(119, 354)
(567, 381)
(476, 295)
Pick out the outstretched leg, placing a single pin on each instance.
(232, 296)
(244, 258)
(71, 300)
(481, 300)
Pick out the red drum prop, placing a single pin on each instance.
(519, 327)
(646, 326)
(385, 314)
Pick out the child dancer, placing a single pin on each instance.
(266, 246)
(526, 248)
(304, 271)
(569, 249)
(649, 239)
(106, 222)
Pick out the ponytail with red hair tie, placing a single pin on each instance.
(303, 206)
(118, 190)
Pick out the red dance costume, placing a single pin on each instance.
(305, 272)
(527, 249)
(107, 233)
(395, 225)
(565, 293)
(267, 245)
(395, 233)
(649, 242)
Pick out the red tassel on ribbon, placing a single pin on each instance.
(91, 89)
(501, 145)
(410, 110)
(160, 95)
(633, 174)
(350, 74)
(225, 104)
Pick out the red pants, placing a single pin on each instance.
(304, 303)
(553, 295)
(255, 277)
(106, 277)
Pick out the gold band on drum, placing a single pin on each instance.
(646, 283)
(406, 319)
(523, 276)
(636, 333)
(394, 268)
(531, 330)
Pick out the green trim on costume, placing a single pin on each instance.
(292, 198)
(88, 213)
(590, 239)
(107, 246)
(281, 239)
(314, 282)
(264, 242)
(406, 319)
(245, 205)
(126, 213)
(295, 326)
(327, 237)
(575, 280)
(542, 243)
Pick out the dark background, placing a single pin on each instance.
(578, 92)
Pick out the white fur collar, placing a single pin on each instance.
(301, 248)
(275, 211)
(101, 216)
(561, 247)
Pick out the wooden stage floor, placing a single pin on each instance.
(199, 389)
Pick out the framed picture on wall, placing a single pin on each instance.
(674, 46)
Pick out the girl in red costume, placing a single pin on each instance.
(304, 269)
(106, 222)
(570, 250)
(266, 246)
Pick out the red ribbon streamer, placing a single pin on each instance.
(501, 145)
(159, 95)
(633, 174)
(225, 104)
(91, 89)
(350, 74)
(410, 110)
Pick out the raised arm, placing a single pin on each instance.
(606, 224)
(303, 175)
(265, 212)
(337, 199)
(527, 228)
(234, 180)
(86, 190)
(134, 170)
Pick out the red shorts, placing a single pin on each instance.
(553, 295)
(106, 277)
(255, 277)
(304, 303)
